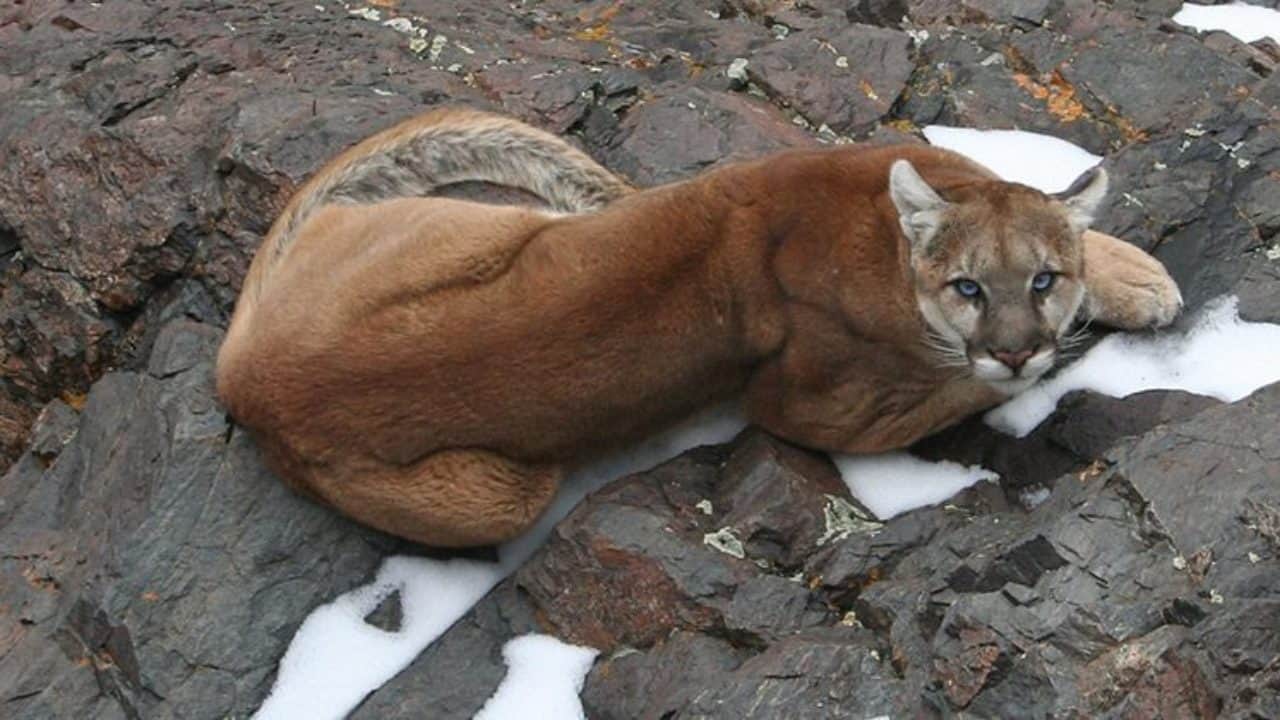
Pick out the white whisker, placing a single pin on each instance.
(945, 352)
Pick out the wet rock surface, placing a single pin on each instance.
(1125, 565)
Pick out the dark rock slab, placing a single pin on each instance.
(683, 549)
(684, 131)
(150, 564)
(976, 78)
(142, 147)
(1073, 440)
(845, 80)
(832, 672)
(656, 684)
(1181, 77)
(1140, 589)
(459, 671)
(152, 568)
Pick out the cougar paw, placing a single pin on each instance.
(1133, 291)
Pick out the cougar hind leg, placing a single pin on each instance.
(451, 498)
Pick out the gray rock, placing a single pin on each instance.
(833, 672)
(684, 131)
(656, 684)
(459, 671)
(846, 80)
(1032, 12)
(1151, 573)
(1073, 440)
(651, 557)
(154, 566)
(1125, 567)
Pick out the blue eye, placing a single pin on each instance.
(967, 287)
(1042, 282)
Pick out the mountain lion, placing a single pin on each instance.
(431, 365)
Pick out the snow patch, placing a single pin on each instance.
(1044, 162)
(892, 483)
(335, 659)
(1220, 356)
(544, 677)
(1246, 22)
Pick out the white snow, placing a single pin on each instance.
(335, 658)
(544, 677)
(1246, 22)
(1044, 162)
(1221, 356)
(893, 483)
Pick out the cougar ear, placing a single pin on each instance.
(1083, 198)
(920, 208)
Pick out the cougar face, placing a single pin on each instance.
(998, 270)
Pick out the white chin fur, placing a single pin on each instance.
(1012, 387)
(999, 376)
(990, 369)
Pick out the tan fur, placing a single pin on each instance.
(430, 366)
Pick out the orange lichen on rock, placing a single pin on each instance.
(595, 33)
(75, 399)
(1058, 95)
(867, 90)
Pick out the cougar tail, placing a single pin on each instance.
(420, 156)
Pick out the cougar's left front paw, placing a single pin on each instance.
(1130, 290)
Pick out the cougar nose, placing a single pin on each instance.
(1015, 360)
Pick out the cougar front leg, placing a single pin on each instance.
(451, 498)
(861, 414)
(1125, 287)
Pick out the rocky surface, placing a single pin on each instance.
(151, 568)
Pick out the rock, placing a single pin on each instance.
(696, 568)
(1032, 12)
(55, 427)
(631, 684)
(973, 78)
(863, 69)
(1088, 424)
(151, 564)
(1184, 80)
(1079, 606)
(737, 73)
(142, 147)
(675, 136)
(459, 671)
(1078, 435)
(1123, 567)
(885, 13)
(832, 672)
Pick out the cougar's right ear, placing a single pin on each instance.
(1083, 198)
(920, 208)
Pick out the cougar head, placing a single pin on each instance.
(998, 270)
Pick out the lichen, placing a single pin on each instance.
(726, 542)
(843, 519)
